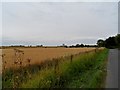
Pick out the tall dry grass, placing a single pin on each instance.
(13, 77)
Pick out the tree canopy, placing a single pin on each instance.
(111, 42)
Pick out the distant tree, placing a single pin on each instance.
(110, 42)
(72, 46)
(63, 45)
(21, 46)
(101, 43)
(82, 45)
(86, 45)
(39, 46)
(77, 45)
(117, 39)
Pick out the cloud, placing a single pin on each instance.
(55, 23)
(0, 23)
(60, 0)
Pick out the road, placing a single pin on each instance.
(112, 69)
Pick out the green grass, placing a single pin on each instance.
(86, 71)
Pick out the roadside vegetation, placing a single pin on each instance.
(82, 70)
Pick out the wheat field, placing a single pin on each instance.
(38, 55)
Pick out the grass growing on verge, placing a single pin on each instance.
(85, 71)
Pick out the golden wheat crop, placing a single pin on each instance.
(37, 55)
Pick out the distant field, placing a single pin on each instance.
(37, 55)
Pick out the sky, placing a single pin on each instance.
(59, 0)
(55, 23)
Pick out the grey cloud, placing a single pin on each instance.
(55, 23)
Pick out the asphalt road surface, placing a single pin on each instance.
(112, 69)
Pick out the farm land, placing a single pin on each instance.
(53, 67)
(38, 55)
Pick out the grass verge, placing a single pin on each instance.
(85, 71)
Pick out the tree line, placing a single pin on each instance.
(111, 42)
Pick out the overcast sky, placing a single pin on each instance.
(55, 23)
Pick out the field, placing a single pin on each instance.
(38, 55)
(54, 67)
